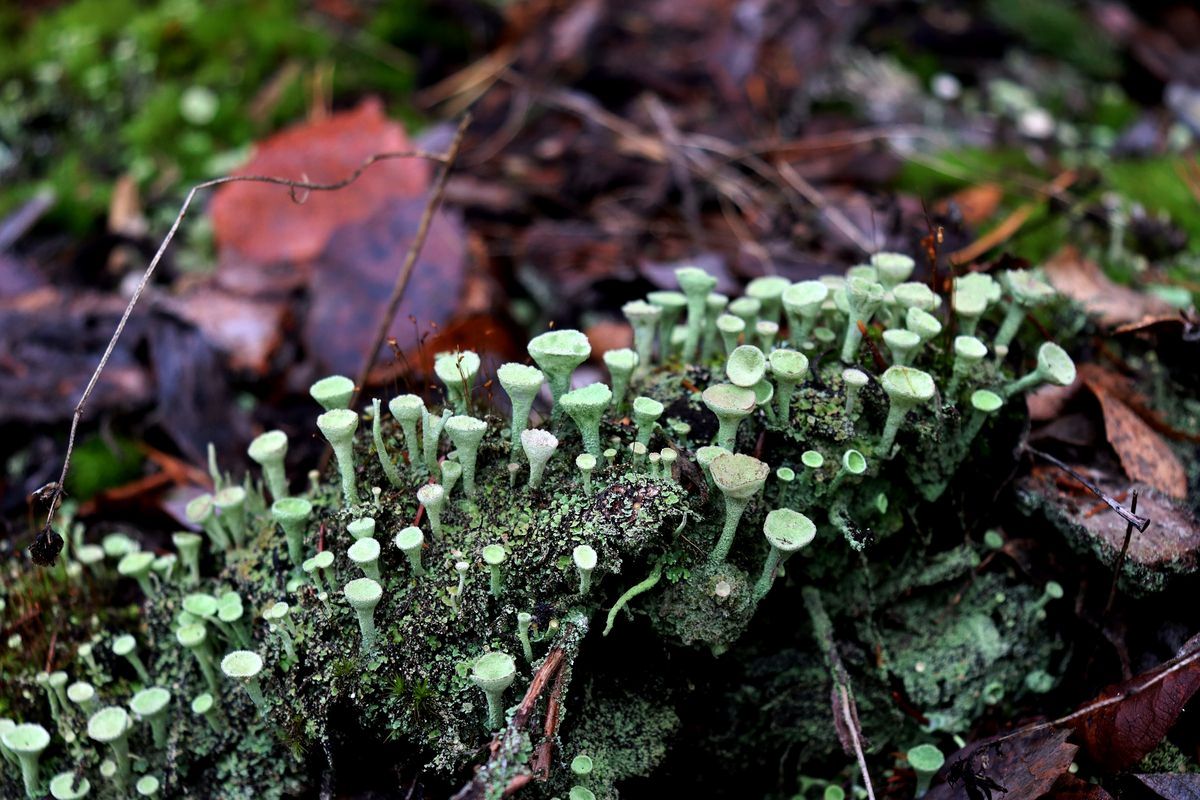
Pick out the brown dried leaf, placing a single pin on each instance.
(977, 204)
(1084, 282)
(1072, 787)
(1171, 786)
(247, 329)
(1026, 765)
(1144, 455)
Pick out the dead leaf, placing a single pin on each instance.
(1126, 391)
(246, 329)
(1144, 455)
(977, 204)
(1026, 765)
(1072, 787)
(1172, 786)
(1084, 282)
(1126, 721)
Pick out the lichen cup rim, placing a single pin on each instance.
(363, 592)
(739, 475)
(108, 724)
(267, 446)
(745, 366)
(788, 364)
(363, 550)
(584, 556)
(494, 555)
(150, 701)
(409, 537)
(1055, 364)
(27, 737)
(908, 384)
(494, 671)
(338, 422)
(242, 664)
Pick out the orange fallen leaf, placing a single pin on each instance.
(1143, 453)
(977, 204)
(1083, 281)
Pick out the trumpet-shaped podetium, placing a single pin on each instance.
(906, 388)
(768, 291)
(333, 392)
(110, 725)
(922, 323)
(714, 307)
(539, 446)
(188, 546)
(739, 477)
(926, 760)
(147, 786)
(431, 436)
(452, 470)
(409, 541)
(494, 556)
(467, 434)
(672, 305)
(973, 293)
(620, 364)
(365, 555)
(82, 694)
(200, 511)
(667, 459)
(493, 673)
(524, 620)
(203, 705)
(915, 295)
(338, 427)
(730, 404)
(646, 411)
(983, 405)
(746, 366)
(125, 646)
(585, 463)
(862, 299)
(766, 333)
(432, 498)
(581, 765)
(278, 622)
(457, 371)
(137, 565)
(705, 456)
(408, 409)
(1054, 366)
(69, 786)
(786, 531)
(968, 351)
(802, 306)
(381, 452)
(746, 309)
(292, 514)
(788, 367)
(730, 328)
(194, 637)
(696, 285)
(521, 383)
(230, 503)
(269, 451)
(1028, 291)
(557, 354)
(364, 594)
(361, 528)
(643, 317)
(244, 666)
(27, 742)
(585, 559)
(903, 344)
(151, 705)
(892, 268)
(812, 459)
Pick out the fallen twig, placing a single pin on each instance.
(1141, 523)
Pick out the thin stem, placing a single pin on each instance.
(633, 591)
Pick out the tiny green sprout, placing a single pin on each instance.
(746, 366)
(457, 371)
(199, 511)
(983, 405)
(230, 502)
(456, 594)
(408, 409)
(229, 619)
(833, 792)
(1028, 291)
(892, 268)
(188, 546)
(147, 786)
(766, 333)
(787, 531)
(82, 694)
(643, 318)
(125, 646)
(788, 367)
(915, 295)
(194, 638)
(671, 304)
(586, 463)
(1054, 366)
(110, 725)
(646, 411)
(667, 459)
(431, 436)
(714, 306)
(151, 705)
(802, 306)
(812, 459)
(903, 344)
(854, 380)
(585, 558)
(467, 434)
(521, 383)
(7, 725)
(586, 407)
(364, 594)
(854, 464)
(696, 285)
(610, 455)
(452, 470)
(409, 541)
(730, 404)
(768, 291)
(203, 705)
(292, 514)
(493, 673)
(824, 337)
(524, 619)
(365, 555)
(968, 351)
(926, 760)
(381, 452)
(137, 566)
(654, 459)
(973, 293)
(705, 456)
(581, 765)
(361, 528)
(1039, 681)
(333, 393)
(863, 298)
(27, 742)
(338, 427)
(558, 353)
(276, 617)
(432, 498)
(746, 309)
(539, 445)
(316, 568)
(269, 450)
(922, 323)
(739, 477)
(730, 328)
(620, 364)
(69, 786)
(494, 556)
(907, 388)
(514, 469)
(581, 793)
(1052, 591)
(785, 474)
(244, 666)
(992, 539)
